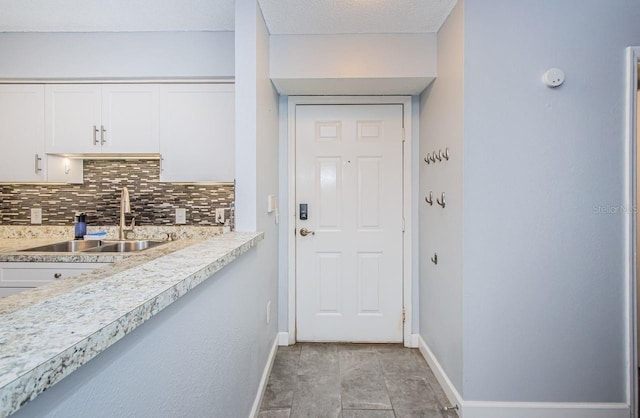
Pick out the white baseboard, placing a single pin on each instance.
(487, 409)
(283, 338)
(414, 341)
(449, 390)
(255, 409)
(474, 409)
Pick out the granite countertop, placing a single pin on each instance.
(48, 332)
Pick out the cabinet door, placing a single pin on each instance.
(22, 133)
(25, 275)
(197, 132)
(130, 118)
(72, 117)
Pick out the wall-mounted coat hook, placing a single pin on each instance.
(441, 201)
(434, 259)
(437, 155)
(445, 155)
(429, 199)
(427, 159)
(432, 157)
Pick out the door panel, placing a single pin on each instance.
(329, 268)
(21, 132)
(349, 271)
(330, 181)
(131, 118)
(72, 117)
(369, 196)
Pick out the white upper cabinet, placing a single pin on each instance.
(130, 115)
(72, 118)
(22, 132)
(22, 139)
(197, 132)
(109, 118)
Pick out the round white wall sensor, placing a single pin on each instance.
(553, 77)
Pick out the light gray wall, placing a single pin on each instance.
(283, 230)
(441, 126)
(267, 164)
(257, 143)
(129, 55)
(246, 126)
(203, 356)
(544, 273)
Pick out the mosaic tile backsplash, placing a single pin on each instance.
(152, 202)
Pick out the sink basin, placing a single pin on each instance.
(65, 247)
(97, 246)
(125, 246)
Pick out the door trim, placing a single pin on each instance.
(633, 58)
(407, 159)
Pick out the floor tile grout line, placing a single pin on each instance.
(384, 379)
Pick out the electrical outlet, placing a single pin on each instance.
(268, 312)
(181, 216)
(220, 215)
(36, 216)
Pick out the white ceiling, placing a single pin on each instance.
(282, 16)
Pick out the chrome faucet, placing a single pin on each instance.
(125, 207)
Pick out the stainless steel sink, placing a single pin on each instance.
(125, 246)
(65, 247)
(97, 246)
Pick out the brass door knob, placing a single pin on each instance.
(304, 232)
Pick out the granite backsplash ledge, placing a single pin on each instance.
(177, 232)
(152, 202)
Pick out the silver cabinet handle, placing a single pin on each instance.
(304, 232)
(37, 164)
(102, 131)
(161, 167)
(434, 259)
(441, 201)
(95, 135)
(57, 275)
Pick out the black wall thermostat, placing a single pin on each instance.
(304, 214)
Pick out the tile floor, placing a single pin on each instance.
(352, 381)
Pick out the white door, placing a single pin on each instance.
(72, 118)
(130, 118)
(349, 268)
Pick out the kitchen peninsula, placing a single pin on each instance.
(49, 332)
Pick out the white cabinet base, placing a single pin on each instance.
(16, 277)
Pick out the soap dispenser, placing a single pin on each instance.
(81, 225)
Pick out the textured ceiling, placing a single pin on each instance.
(282, 16)
(354, 16)
(116, 15)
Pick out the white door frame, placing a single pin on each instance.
(407, 193)
(633, 55)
